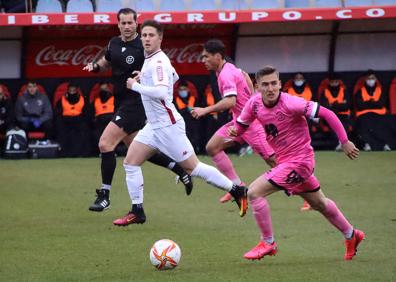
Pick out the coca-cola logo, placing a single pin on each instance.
(189, 54)
(50, 55)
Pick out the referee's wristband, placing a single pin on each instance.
(96, 67)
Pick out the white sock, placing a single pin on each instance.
(105, 186)
(268, 240)
(212, 176)
(134, 180)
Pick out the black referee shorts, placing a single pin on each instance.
(130, 118)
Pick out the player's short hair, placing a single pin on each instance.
(159, 27)
(266, 70)
(32, 82)
(127, 11)
(214, 46)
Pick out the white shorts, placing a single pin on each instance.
(170, 140)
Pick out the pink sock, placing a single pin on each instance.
(335, 217)
(262, 215)
(224, 164)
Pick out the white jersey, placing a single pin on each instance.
(158, 70)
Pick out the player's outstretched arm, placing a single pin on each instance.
(99, 66)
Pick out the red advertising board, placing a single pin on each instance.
(62, 58)
(66, 58)
(202, 17)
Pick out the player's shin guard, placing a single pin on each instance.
(212, 176)
(336, 218)
(108, 166)
(262, 215)
(134, 180)
(224, 164)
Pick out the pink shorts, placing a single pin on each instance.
(294, 177)
(254, 136)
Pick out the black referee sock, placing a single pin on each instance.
(108, 167)
(164, 161)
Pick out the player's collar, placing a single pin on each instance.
(276, 102)
(152, 54)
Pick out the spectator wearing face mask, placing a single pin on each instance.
(185, 99)
(299, 87)
(371, 123)
(73, 115)
(335, 97)
(102, 104)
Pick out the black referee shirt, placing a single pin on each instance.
(125, 57)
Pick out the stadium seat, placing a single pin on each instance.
(350, 3)
(48, 6)
(298, 3)
(385, 2)
(259, 4)
(79, 6)
(149, 5)
(205, 5)
(173, 5)
(39, 87)
(108, 5)
(328, 3)
(229, 5)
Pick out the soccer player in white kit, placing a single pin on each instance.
(165, 129)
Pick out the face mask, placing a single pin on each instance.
(183, 93)
(370, 82)
(104, 94)
(299, 83)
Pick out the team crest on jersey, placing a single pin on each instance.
(130, 60)
(280, 116)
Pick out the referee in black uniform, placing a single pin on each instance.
(124, 55)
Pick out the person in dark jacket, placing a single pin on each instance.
(33, 111)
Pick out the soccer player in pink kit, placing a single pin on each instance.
(236, 92)
(284, 118)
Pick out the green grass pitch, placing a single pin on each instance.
(48, 234)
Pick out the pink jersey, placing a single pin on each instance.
(285, 125)
(232, 83)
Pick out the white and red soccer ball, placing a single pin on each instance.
(165, 254)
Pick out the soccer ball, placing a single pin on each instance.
(165, 254)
